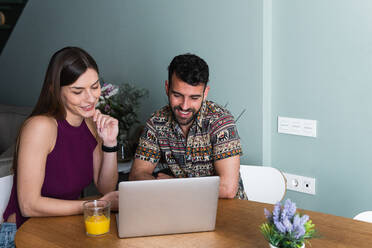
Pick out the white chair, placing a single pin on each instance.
(5, 189)
(364, 216)
(263, 184)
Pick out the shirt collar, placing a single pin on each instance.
(201, 114)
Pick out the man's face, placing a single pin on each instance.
(185, 100)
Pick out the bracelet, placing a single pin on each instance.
(110, 149)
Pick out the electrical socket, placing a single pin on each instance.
(300, 183)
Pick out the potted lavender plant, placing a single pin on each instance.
(285, 228)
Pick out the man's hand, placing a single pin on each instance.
(141, 170)
(163, 176)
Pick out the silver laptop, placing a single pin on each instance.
(154, 207)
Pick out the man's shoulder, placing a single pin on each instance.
(214, 111)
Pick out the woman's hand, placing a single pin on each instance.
(105, 169)
(107, 128)
(112, 197)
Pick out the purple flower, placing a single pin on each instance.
(298, 231)
(288, 225)
(299, 225)
(296, 220)
(276, 212)
(283, 215)
(286, 221)
(107, 108)
(289, 208)
(268, 215)
(280, 226)
(304, 219)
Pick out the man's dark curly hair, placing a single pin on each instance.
(190, 69)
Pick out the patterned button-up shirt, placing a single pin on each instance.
(212, 136)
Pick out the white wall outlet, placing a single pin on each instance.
(296, 126)
(300, 183)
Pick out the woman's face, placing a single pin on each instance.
(81, 97)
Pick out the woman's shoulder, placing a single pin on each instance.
(45, 121)
(40, 131)
(45, 124)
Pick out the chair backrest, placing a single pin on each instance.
(263, 184)
(364, 216)
(5, 189)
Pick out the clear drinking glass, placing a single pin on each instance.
(97, 217)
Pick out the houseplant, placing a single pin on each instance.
(122, 102)
(285, 228)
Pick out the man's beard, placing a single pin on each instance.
(183, 121)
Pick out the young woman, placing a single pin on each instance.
(64, 145)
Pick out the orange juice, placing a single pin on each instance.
(97, 225)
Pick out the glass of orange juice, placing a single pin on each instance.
(97, 217)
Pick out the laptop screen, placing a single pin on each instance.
(154, 207)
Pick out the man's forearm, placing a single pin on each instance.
(228, 170)
(141, 176)
(142, 170)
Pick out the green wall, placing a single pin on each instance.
(218, 31)
(321, 70)
(134, 41)
(302, 59)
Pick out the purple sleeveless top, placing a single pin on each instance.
(69, 167)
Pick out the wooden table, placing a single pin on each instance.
(237, 226)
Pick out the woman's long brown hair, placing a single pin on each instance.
(64, 68)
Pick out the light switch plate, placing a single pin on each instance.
(297, 126)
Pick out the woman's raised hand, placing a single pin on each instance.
(107, 128)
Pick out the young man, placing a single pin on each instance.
(190, 137)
